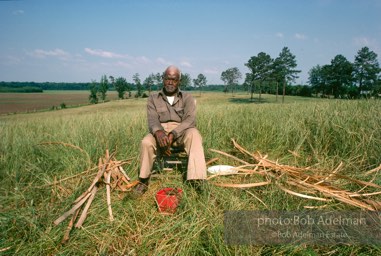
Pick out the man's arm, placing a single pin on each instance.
(155, 127)
(154, 124)
(189, 117)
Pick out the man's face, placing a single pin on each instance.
(171, 82)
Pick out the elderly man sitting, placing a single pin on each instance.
(171, 117)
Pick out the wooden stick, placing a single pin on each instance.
(87, 206)
(99, 174)
(341, 196)
(375, 204)
(249, 185)
(241, 149)
(132, 184)
(253, 171)
(374, 170)
(302, 195)
(252, 194)
(124, 180)
(83, 195)
(115, 175)
(353, 202)
(366, 194)
(72, 210)
(212, 161)
(228, 155)
(266, 162)
(5, 249)
(108, 194)
(331, 174)
(365, 183)
(96, 179)
(120, 186)
(364, 187)
(69, 228)
(124, 173)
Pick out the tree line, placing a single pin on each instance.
(339, 79)
(264, 71)
(343, 79)
(44, 86)
(153, 82)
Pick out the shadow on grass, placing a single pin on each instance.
(248, 100)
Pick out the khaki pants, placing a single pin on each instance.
(192, 142)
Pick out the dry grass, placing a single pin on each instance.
(39, 182)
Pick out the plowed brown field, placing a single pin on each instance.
(31, 102)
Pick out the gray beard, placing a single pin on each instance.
(172, 92)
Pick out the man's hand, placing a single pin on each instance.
(161, 138)
(170, 141)
(165, 141)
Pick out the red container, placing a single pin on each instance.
(168, 199)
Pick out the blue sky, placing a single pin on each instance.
(79, 41)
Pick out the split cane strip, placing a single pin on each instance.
(71, 211)
(69, 227)
(87, 206)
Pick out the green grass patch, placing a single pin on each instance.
(322, 132)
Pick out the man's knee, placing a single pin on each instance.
(192, 139)
(192, 133)
(148, 141)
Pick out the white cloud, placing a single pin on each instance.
(185, 64)
(104, 54)
(279, 34)
(59, 53)
(300, 36)
(163, 61)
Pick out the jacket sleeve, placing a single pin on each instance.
(152, 116)
(189, 117)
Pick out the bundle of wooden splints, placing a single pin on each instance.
(110, 173)
(305, 182)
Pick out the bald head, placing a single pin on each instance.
(171, 79)
(173, 71)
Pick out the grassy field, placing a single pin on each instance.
(11, 103)
(300, 132)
